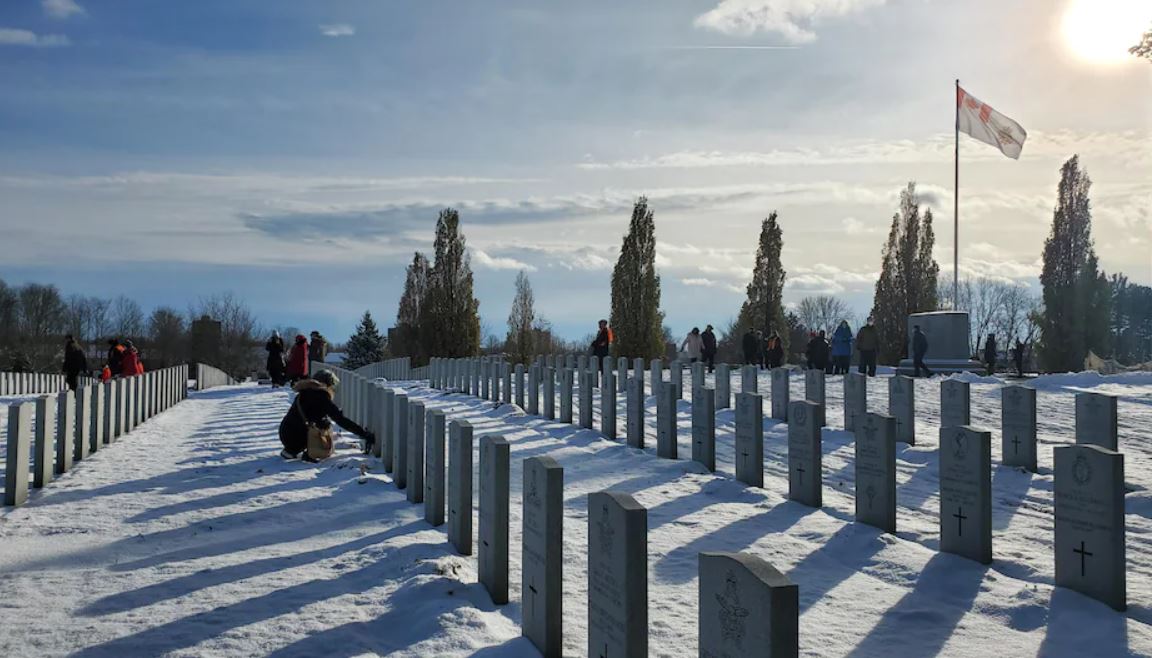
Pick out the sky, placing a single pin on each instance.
(297, 153)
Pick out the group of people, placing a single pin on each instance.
(700, 346)
(293, 367)
(1016, 352)
(123, 361)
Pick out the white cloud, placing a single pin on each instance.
(793, 20)
(15, 37)
(709, 283)
(853, 226)
(61, 8)
(822, 278)
(337, 30)
(484, 260)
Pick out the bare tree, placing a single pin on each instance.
(520, 341)
(41, 322)
(166, 335)
(823, 312)
(239, 333)
(127, 318)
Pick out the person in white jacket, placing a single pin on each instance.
(692, 344)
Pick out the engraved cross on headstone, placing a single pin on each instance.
(959, 516)
(1016, 442)
(800, 470)
(1083, 554)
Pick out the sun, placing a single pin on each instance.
(1102, 31)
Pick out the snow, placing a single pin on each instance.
(191, 537)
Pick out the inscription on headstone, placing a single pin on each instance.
(750, 439)
(1096, 420)
(542, 555)
(966, 492)
(855, 399)
(704, 426)
(780, 393)
(746, 608)
(493, 535)
(1090, 533)
(805, 454)
(617, 576)
(876, 471)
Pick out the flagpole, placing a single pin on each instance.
(956, 207)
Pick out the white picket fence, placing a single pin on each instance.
(46, 436)
(30, 383)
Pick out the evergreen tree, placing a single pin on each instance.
(636, 319)
(405, 338)
(908, 276)
(450, 316)
(764, 308)
(365, 346)
(1077, 296)
(521, 341)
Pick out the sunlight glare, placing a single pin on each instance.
(1102, 31)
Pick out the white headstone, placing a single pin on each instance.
(747, 608)
(704, 426)
(902, 407)
(1090, 533)
(1018, 426)
(805, 454)
(750, 439)
(617, 576)
(542, 555)
(876, 471)
(966, 492)
(1096, 420)
(493, 535)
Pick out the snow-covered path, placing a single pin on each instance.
(192, 537)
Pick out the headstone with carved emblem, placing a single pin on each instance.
(876, 471)
(955, 409)
(1096, 420)
(805, 479)
(1018, 426)
(542, 554)
(966, 492)
(746, 608)
(855, 399)
(617, 576)
(1090, 533)
(902, 407)
(492, 553)
(750, 439)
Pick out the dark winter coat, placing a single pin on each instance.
(867, 340)
(130, 363)
(603, 343)
(115, 357)
(74, 360)
(842, 341)
(318, 349)
(817, 352)
(275, 347)
(990, 350)
(919, 344)
(750, 345)
(298, 358)
(709, 341)
(315, 400)
(775, 352)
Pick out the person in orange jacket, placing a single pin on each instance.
(105, 374)
(130, 362)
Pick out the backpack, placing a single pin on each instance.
(320, 444)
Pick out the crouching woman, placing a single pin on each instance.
(306, 430)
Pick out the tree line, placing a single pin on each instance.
(1081, 309)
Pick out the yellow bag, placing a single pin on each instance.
(320, 443)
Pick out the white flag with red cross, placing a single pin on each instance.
(987, 125)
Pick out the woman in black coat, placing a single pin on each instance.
(314, 402)
(275, 365)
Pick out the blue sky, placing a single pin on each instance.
(296, 153)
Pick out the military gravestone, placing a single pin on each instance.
(617, 576)
(780, 393)
(805, 454)
(608, 405)
(966, 492)
(400, 439)
(1018, 426)
(550, 393)
(1090, 532)
(542, 554)
(876, 471)
(565, 395)
(723, 386)
(855, 399)
(493, 535)
(587, 391)
(902, 407)
(747, 608)
(460, 486)
(434, 460)
(750, 439)
(1096, 420)
(748, 379)
(416, 424)
(704, 426)
(666, 439)
(814, 385)
(954, 403)
(636, 412)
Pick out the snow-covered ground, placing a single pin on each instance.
(191, 537)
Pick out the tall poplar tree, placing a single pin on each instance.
(908, 276)
(636, 319)
(405, 338)
(521, 341)
(450, 316)
(764, 307)
(1077, 296)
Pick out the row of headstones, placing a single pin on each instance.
(31, 383)
(68, 427)
(746, 606)
(395, 369)
(965, 484)
(209, 377)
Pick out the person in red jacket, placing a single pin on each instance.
(298, 360)
(130, 361)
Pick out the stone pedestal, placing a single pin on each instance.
(948, 349)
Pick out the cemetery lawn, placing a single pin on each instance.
(191, 537)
